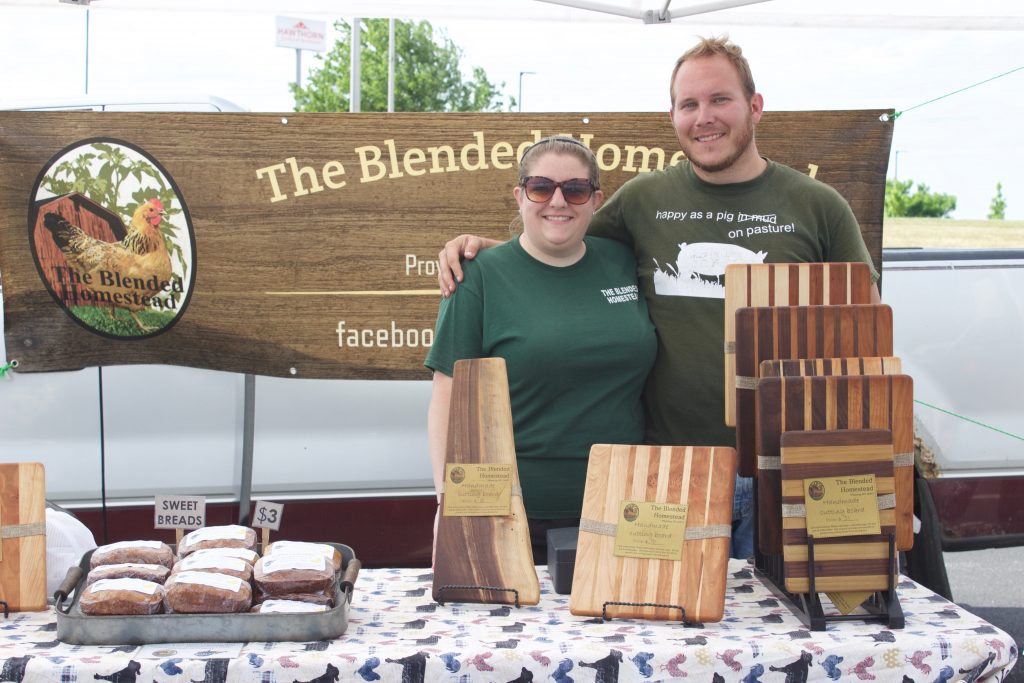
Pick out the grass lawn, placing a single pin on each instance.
(944, 232)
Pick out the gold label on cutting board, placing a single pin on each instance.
(842, 506)
(848, 601)
(479, 490)
(651, 531)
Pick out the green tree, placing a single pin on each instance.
(997, 209)
(900, 200)
(427, 73)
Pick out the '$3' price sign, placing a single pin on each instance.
(267, 515)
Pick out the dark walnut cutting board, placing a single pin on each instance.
(786, 404)
(490, 551)
(794, 332)
(847, 563)
(785, 284)
(23, 548)
(701, 478)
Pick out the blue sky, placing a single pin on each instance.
(963, 144)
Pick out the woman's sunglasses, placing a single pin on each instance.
(540, 189)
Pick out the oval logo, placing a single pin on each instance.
(112, 239)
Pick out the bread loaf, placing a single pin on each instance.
(281, 573)
(227, 536)
(193, 592)
(326, 598)
(121, 597)
(201, 562)
(244, 554)
(157, 573)
(300, 547)
(139, 552)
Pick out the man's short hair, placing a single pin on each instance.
(709, 47)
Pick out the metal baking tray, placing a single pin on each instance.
(76, 628)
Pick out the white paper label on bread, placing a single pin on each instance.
(134, 585)
(293, 547)
(122, 545)
(285, 561)
(231, 532)
(222, 581)
(243, 554)
(282, 606)
(214, 562)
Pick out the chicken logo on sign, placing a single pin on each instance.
(112, 239)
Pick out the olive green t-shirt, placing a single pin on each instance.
(683, 232)
(578, 344)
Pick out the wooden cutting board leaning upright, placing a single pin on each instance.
(786, 404)
(792, 332)
(490, 550)
(629, 491)
(847, 561)
(785, 284)
(23, 524)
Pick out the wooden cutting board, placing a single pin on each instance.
(849, 563)
(793, 332)
(23, 548)
(785, 284)
(702, 478)
(828, 403)
(484, 551)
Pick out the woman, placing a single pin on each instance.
(565, 313)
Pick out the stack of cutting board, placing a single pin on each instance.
(817, 397)
(23, 536)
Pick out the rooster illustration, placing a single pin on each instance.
(136, 268)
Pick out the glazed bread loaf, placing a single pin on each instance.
(281, 573)
(227, 536)
(139, 552)
(193, 592)
(157, 573)
(122, 597)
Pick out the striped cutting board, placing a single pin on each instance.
(828, 403)
(794, 332)
(785, 284)
(850, 563)
(870, 365)
(701, 478)
(23, 524)
(484, 551)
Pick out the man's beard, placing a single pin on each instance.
(743, 142)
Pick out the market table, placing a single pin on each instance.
(396, 632)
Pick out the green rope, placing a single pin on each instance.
(896, 115)
(9, 366)
(968, 419)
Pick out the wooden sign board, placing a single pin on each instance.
(791, 332)
(785, 284)
(306, 245)
(490, 551)
(850, 563)
(23, 544)
(787, 404)
(702, 478)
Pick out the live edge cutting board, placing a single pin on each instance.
(786, 404)
(701, 478)
(846, 563)
(785, 284)
(484, 551)
(791, 332)
(23, 523)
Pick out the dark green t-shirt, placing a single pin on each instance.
(684, 231)
(578, 344)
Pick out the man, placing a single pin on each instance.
(687, 222)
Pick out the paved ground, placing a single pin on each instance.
(990, 583)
